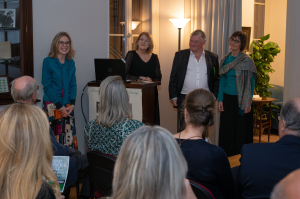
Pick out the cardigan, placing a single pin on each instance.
(59, 81)
(208, 165)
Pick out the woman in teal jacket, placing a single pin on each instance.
(60, 89)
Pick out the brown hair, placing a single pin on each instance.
(53, 49)
(243, 38)
(200, 105)
(147, 34)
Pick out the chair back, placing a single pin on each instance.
(101, 167)
(201, 191)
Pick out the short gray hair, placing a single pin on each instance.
(290, 113)
(114, 102)
(150, 165)
(25, 93)
(197, 32)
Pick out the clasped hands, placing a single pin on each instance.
(145, 78)
(221, 108)
(66, 112)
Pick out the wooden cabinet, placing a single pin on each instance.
(16, 27)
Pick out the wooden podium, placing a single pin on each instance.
(143, 104)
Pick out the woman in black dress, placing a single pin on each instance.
(142, 64)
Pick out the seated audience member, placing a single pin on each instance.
(114, 123)
(207, 164)
(26, 154)
(24, 91)
(288, 187)
(150, 165)
(265, 164)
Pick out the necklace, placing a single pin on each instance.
(186, 139)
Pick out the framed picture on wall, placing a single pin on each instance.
(4, 84)
(247, 31)
(7, 17)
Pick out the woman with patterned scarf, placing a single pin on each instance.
(236, 89)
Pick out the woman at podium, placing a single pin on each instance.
(142, 64)
(60, 88)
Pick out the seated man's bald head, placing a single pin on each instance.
(288, 187)
(23, 89)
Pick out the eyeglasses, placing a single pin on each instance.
(66, 43)
(234, 40)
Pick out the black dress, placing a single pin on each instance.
(136, 67)
(209, 166)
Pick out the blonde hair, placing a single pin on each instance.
(54, 46)
(150, 165)
(114, 102)
(25, 152)
(149, 37)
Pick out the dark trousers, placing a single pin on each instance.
(235, 129)
(180, 113)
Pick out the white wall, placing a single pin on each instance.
(87, 22)
(168, 45)
(248, 15)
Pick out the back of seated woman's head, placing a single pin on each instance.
(200, 105)
(114, 102)
(150, 165)
(25, 152)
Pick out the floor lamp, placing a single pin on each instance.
(179, 23)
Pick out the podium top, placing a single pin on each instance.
(129, 85)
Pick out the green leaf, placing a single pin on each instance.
(264, 38)
(270, 45)
(257, 55)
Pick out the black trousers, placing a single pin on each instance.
(235, 129)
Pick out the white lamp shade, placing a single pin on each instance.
(134, 24)
(179, 23)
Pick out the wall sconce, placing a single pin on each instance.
(134, 24)
(179, 23)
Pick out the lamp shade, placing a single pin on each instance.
(134, 24)
(179, 23)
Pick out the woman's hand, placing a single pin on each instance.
(220, 106)
(64, 112)
(60, 197)
(145, 78)
(247, 110)
(70, 109)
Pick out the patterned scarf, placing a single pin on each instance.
(244, 69)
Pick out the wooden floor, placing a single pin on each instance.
(234, 160)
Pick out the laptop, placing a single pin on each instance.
(109, 67)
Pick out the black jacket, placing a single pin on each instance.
(179, 68)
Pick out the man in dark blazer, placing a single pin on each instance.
(263, 165)
(192, 69)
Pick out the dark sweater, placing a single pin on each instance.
(208, 165)
(136, 67)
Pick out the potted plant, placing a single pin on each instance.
(263, 54)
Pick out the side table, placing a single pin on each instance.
(261, 124)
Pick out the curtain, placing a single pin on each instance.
(218, 19)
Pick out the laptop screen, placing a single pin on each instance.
(109, 67)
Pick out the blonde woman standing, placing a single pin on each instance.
(26, 154)
(141, 63)
(150, 165)
(60, 89)
(114, 123)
